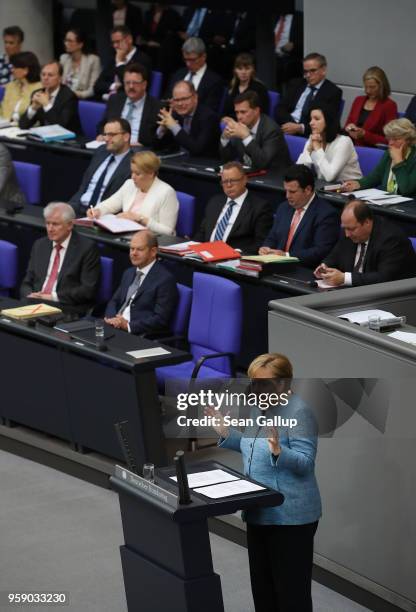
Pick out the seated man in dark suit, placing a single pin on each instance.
(54, 103)
(108, 170)
(9, 187)
(239, 218)
(188, 125)
(292, 112)
(254, 139)
(207, 83)
(64, 267)
(147, 296)
(304, 225)
(373, 251)
(134, 104)
(111, 77)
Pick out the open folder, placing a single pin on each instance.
(111, 223)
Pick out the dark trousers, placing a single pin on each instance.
(280, 559)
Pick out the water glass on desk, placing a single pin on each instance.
(374, 322)
(99, 331)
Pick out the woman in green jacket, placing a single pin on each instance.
(396, 170)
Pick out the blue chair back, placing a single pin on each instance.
(155, 88)
(368, 158)
(216, 319)
(341, 107)
(274, 97)
(29, 179)
(8, 266)
(413, 241)
(105, 290)
(296, 145)
(401, 114)
(186, 214)
(90, 113)
(222, 102)
(2, 92)
(180, 320)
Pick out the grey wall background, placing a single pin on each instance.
(357, 34)
(35, 19)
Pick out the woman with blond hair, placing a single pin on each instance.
(396, 170)
(370, 113)
(280, 538)
(144, 197)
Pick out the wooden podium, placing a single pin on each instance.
(166, 558)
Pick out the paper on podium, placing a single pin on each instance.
(209, 477)
(226, 489)
(30, 311)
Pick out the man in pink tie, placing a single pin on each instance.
(304, 225)
(63, 267)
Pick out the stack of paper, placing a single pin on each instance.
(31, 311)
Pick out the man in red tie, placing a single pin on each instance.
(63, 267)
(304, 225)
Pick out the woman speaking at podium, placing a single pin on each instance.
(280, 538)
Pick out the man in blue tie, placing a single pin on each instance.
(147, 296)
(292, 112)
(108, 169)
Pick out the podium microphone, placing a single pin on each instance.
(182, 476)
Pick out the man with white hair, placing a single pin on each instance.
(64, 267)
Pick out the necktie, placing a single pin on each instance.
(222, 225)
(293, 227)
(187, 121)
(130, 112)
(279, 31)
(131, 291)
(195, 23)
(360, 260)
(100, 183)
(54, 272)
(304, 118)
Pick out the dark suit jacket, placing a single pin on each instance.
(119, 177)
(267, 150)
(210, 90)
(250, 227)
(78, 279)
(254, 85)
(102, 84)
(204, 135)
(390, 256)
(64, 112)
(328, 94)
(148, 125)
(315, 235)
(134, 19)
(154, 303)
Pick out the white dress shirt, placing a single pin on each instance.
(86, 196)
(284, 37)
(136, 120)
(236, 209)
(337, 162)
(62, 254)
(197, 76)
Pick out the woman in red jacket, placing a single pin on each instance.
(370, 113)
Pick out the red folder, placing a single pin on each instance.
(215, 251)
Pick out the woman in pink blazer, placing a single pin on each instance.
(370, 113)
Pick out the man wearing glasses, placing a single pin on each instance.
(292, 112)
(207, 83)
(108, 169)
(188, 125)
(136, 106)
(237, 217)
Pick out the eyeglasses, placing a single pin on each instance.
(191, 60)
(112, 134)
(312, 70)
(179, 100)
(231, 181)
(133, 83)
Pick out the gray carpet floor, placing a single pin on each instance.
(62, 534)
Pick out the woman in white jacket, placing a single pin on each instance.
(143, 198)
(331, 155)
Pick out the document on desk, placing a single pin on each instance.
(361, 316)
(116, 225)
(408, 337)
(365, 194)
(227, 489)
(209, 477)
(151, 352)
(388, 200)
